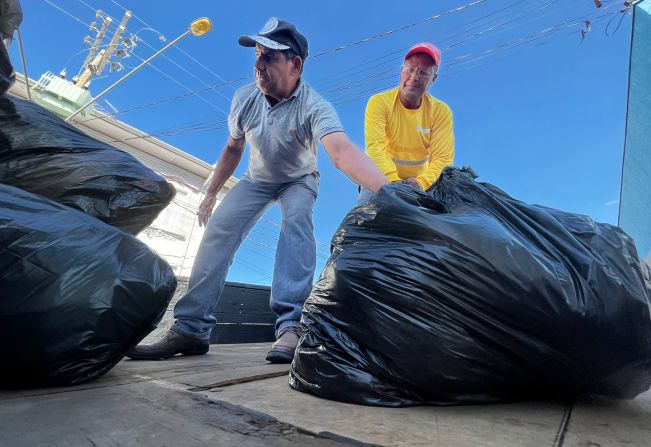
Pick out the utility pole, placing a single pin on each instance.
(197, 28)
(114, 41)
(98, 38)
(94, 64)
(91, 69)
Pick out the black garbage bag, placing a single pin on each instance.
(75, 293)
(466, 295)
(41, 153)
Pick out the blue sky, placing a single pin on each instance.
(538, 111)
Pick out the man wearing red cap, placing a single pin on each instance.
(409, 133)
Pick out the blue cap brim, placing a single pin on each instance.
(251, 41)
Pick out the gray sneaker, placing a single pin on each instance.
(171, 344)
(282, 351)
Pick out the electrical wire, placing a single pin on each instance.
(67, 13)
(395, 30)
(169, 99)
(320, 252)
(482, 33)
(495, 58)
(624, 11)
(230, 83)
(212, 124)
(181, 84)
(253, 267)
(473, 57)
(177, 47)
(349, 85)
(188, 72)
(397, 54)
(579, 21)
(115, 24)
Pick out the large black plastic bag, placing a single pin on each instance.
(41, 153)
(470, 296)
(75, 293)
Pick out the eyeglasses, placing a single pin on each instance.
(420, 73)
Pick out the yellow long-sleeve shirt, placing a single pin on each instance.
(406, 143)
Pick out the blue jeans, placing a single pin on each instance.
(364, 196)
(233, 219)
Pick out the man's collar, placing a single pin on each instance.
(297, 90)
(295, 93)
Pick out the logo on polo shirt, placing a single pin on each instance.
(292, 135)
(423, 130)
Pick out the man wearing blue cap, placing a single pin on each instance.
(282, 119)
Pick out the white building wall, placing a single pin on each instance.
(175, 234)
(170, 233)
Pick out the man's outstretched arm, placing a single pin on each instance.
(349, 159)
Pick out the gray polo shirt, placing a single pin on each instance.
(283, 139)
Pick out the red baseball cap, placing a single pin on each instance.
(426, 48)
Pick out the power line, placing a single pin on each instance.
(499, 57)
(378, 35)
(482, 33)
(349, 84)
(372, 76)
(182, 85)
(265, 255)
(468, 58)
(402, 28)
(475, 57)
(354, 83)
(212, 124)
(177, 47)
(230, 83)
(627, 6)
(188, 72)
(114, 23)
(403, 49)
(550, 30)
(87, 5)
(507, 22)
(67, 13)
(320, 251)
(277, 225)
(169, 99)
(252, 267)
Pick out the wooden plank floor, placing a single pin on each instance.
(518, 425)
(232, 396)
(148, 404)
